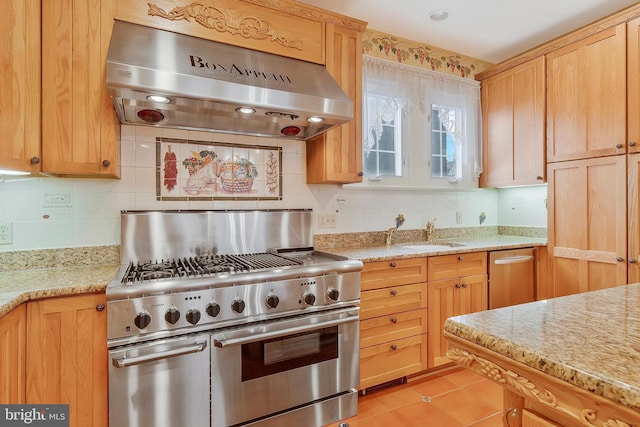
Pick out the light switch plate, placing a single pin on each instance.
(6, 233)
(327, 221)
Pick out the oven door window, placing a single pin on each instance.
(272, 356)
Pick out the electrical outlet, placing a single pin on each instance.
(6, 233)
(327, 221)
(458, 217)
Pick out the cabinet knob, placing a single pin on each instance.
(106, 163)
(394, 292)
(99, 307)
(394, 347)
(457, 285)
(394, 320)
(539, 178)
(35, 160)
(460, 258)
(632, 144)
(619, 259)
(464, 285)
(393, 264)
(619, 146)
(360, 173)
(632, 260)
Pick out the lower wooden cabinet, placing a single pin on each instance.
(393, 325)
(13, 333)
(67, 356)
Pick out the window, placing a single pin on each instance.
(421, 129)
(383, 137)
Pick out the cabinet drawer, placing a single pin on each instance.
(395, 299)
(457, 265)
(392, 360)
(380, 274)
(392, 327)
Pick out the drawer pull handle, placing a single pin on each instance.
(394, 320)
(460, 258)
(394, 292)
(393, 264)
(394, 347)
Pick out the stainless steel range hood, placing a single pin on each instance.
(205, 84)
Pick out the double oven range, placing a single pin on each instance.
(230, 318)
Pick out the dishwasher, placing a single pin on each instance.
(511, 277)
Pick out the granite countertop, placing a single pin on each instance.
(19, 286)
(438, 247)
(590, 340)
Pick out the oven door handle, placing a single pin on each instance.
(123, 362)
(248, 335)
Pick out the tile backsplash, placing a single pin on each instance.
(49, 212)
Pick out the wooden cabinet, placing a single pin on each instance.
(587, 202)
(13, 333)
(20, 94)
(81, 134)
(393, 326)
(457, 285)
(633, 218)
(633, 85)
(67, 356)
(586, 97)
(513, 117)
(530, 419)
(335, 157)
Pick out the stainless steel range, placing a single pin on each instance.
(229, 318)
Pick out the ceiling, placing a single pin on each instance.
(490, 30)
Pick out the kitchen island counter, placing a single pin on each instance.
(573, 359)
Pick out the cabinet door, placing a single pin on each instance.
(633, 242)
(336, 155)
(474, 294)
(514, 126)
(633, 85)
(443, 299)
(587, 224)
(586, 93)
(20, 93)
(67, 356)
(382, 274)
(80, 130)
(12, 355)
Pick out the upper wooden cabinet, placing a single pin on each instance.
(633, 85)
(513, 117)
(335, 157)
(586, 97)
(67, 356)
(81, 134)
(20, 89)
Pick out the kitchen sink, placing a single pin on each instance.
(432, 245)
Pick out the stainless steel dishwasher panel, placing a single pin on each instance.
(511, 277)
(163, 383)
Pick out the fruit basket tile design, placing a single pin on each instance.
(202, 170)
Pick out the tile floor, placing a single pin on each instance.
(459, 398)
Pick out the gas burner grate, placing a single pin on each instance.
(205, 265)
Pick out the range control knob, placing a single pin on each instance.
(172, 315)
(237, 306)
(193, 316)
(309, 298)
(272, 301)
(333, 294)
(142, 320)
(213, 309)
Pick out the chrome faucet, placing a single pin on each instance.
(399, 221)
(430, 229)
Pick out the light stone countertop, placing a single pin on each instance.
(19, 286)
(401, 250)
(590, 340)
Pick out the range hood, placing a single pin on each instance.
(160, 78)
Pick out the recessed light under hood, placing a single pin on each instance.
(160, 78)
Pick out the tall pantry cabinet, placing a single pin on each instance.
(633, 148)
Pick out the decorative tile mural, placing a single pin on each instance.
(201, 170)
(386, 46)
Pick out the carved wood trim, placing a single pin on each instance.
(222, 20)
(526, 387)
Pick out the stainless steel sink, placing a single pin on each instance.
(432, 245)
